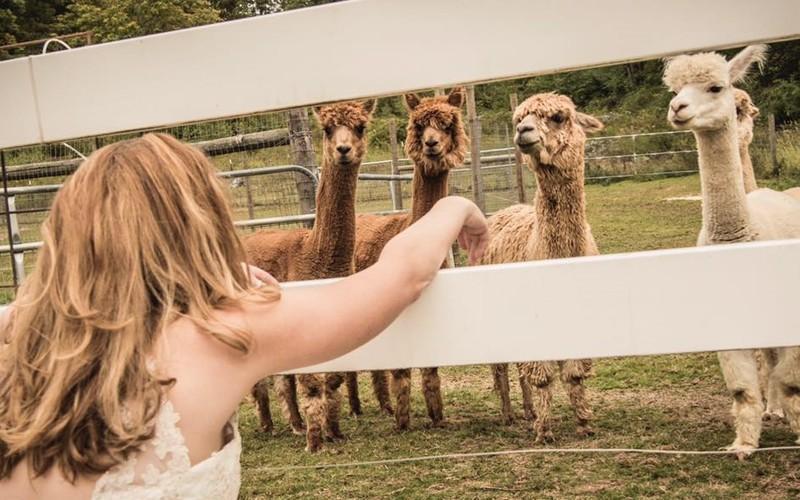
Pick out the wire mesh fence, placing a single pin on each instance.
(242, 148)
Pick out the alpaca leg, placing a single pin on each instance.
(333, 405)
(352, 393)
(768, 359)
(401, 387)
(261, 396)
(312, 391)
(500, 373)
(786, 378)
(741, 377)
(380, 385)
(286, 389)
(432, 389)
(573, 373)
(542, 376)
(527, 394)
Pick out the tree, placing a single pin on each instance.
(118, 19)
(22, 20)
(237, 9)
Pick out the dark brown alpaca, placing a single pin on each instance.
(436, 143)
(325, 251)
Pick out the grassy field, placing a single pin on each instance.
(668, 402)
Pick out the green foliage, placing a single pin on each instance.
(118, 19)
(237, 9)
(22, 20)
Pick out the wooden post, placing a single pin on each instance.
(475, 150)
(302, 148)
(518, 157)
(773, 146)
(14, 276)
(250, 211)
(509, 166)
(395, 188)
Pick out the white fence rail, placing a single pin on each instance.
(647, 303)
(667, 301)
(164, 79)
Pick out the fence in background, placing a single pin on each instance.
(273, 196)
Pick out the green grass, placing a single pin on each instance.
(669, 402)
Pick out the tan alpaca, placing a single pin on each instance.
(325, 251)
(436, 143)
(552, 135)
(705, 104)
(746, 113)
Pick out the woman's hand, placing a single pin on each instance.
(474, 235)
(259, 277)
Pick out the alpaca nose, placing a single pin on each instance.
(524, 127)
(677, 107)
(431, 142)
(343, 149)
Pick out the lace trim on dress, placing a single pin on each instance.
(163, 470)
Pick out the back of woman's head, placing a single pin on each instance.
(140, 235)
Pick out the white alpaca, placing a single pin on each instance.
(746, 113)
(705, 104)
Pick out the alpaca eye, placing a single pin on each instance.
(715, 89)
(557, 118)
(328, 131)
(360, 130)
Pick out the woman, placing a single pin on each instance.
(139, 332)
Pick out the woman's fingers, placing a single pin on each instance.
(259, 277)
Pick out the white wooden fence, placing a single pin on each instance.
(737, 296)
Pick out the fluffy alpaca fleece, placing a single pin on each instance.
(730, 215)
(431, 119)
(746, 113)
(325, 251)
(552, 135)
(766, 359)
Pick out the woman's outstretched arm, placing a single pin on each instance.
(310, 325)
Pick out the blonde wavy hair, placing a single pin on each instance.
(140, 235)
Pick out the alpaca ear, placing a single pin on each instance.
(369, 105)
(741, 63)
(411, 100)
(456, 96)
(316, 110)
(589, 123)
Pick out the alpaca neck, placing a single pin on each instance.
(333, 236)
(725, 217)
(747, 168)
(427, 190)
(560, 207)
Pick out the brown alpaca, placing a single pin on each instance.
(325, 251)
(552, 135)
(436, 143)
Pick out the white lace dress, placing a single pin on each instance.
(162, 469)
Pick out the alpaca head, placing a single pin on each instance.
(344, 126)
(435, 137)
(746, 113)
(703, 84)
(551, 132)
